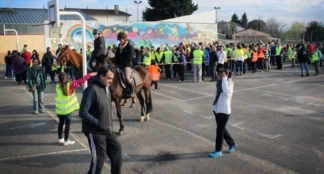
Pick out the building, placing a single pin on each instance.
(250, 35)
(228, 28)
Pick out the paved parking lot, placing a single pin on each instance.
(277, 119)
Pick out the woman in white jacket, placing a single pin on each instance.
(222, 111)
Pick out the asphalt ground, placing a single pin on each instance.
(277, 120)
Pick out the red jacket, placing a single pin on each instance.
(27, 56)
(310, 48)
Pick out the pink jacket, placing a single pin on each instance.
(76, 83)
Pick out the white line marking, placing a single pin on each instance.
(29, 126)
(247, 89)
(270, 136)
(13, 108)
(182, 89)
(43, 154)
(266, 94)
(188, 111)
(237, 125)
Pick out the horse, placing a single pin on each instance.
(68, 55)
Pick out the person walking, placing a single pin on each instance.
(222, 111)
(97, 123)
(37, 82)
(20, 68)
(66, 103)
(303, 57)
(316, 58)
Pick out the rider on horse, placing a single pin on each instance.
(123, 59)
(99, 49)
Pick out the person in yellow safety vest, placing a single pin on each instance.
(152, 53)
(316, 58)
(198, 56)
(238, 57)
(278, 55)
(146, 57)
(230, 59)
(249, 55)
(267, 58)
(67, 102)
(292, 54)
(159, 58)
(167, 60)
(88, 52)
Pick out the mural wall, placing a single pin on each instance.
(145, 34)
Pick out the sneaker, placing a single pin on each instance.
(231, 149)
(307, 74)
(68, 142)
(6, 78)
(215, 154)
(61, 141)
(36, 112)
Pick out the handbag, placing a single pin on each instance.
(33, 87)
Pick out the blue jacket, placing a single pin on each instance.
(206, 57)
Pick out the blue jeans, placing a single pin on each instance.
(38, 104)
(8, 71)
(303, 65)
(239, 66)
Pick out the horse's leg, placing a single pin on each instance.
(141, 100)
(125, 102)
(148, 99)
(133, 102)
(118, 110)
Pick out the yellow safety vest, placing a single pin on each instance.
(249, 53)
(198, 57)
(65, 104)
(239, 53)
(158, 56)
(168, 57)
(278, 50)
(152, 53)
(315, 56)
(88, 52)
(147, 60)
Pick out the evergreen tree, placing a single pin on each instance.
(166, 9)
(244, 20)
(235, 19)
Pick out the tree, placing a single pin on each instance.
(244, 20)
(235, 19)
(166, 9)
(314, 31)
(296, 31)
(233, 27)
(257, 24)
(274, 27)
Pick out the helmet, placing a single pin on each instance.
(95, 31)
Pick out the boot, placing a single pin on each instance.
(131, 89)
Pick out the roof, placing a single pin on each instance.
(249, 29)
(100, 11)
(32, 16)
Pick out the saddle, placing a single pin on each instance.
(122, 80)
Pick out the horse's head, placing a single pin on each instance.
(63, 55)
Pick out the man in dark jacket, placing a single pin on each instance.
(99, 48)
(97, 123)
(303, 58)
(47, 62)
(8, 62)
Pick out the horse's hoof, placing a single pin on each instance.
(147, 117)
(142, 119)
(123, 104)
(131, 106)
(121, 132)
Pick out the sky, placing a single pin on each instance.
(284, 11)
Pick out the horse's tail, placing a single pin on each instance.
(150, 103)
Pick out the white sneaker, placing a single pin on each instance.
(68, 142)
(6, 78)
(61, 141)
(36, 112)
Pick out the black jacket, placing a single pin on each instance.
(124, 59)
(213, 57)
(8, 59)
(96, 108)
(303, 55)
(48, 59)
(99, 47)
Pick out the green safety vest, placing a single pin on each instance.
(278, 50)
(315, 56)
(228, 52)
(198, 57)
(153, 55)
(158, 56)
(88, 52)
(65, 104)
(147, 60)
(239, 53)
(249, 53)
(168, 57)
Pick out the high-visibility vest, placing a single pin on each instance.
(315, 56)
(65, 104)
(147, 60)
(228, 52)
(261, 54)
(88, 52)
(278, 50)
(197, 54)
(158, 56)
(154, 72)
(254, 56)
(152, 53)
(189, 50)
(168, 57)
(249, 53)
(239, 53)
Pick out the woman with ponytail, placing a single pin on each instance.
(66, 103)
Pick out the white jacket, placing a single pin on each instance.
(223, 104)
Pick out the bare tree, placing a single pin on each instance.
(273, 27)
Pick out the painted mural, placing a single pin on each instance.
(145, 34)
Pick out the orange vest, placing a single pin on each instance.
(254, 56)
(154, 72)
(261, 54)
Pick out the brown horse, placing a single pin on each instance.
(68, 55)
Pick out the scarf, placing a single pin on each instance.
(219, 91)
(122, 46)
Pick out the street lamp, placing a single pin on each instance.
(139, 2)
(216, 8)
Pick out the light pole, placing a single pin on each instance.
(139, 2)
(216, 8)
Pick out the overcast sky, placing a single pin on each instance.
(285, 11)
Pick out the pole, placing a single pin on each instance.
(83, 30)
(137, 11)
(16, 36)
